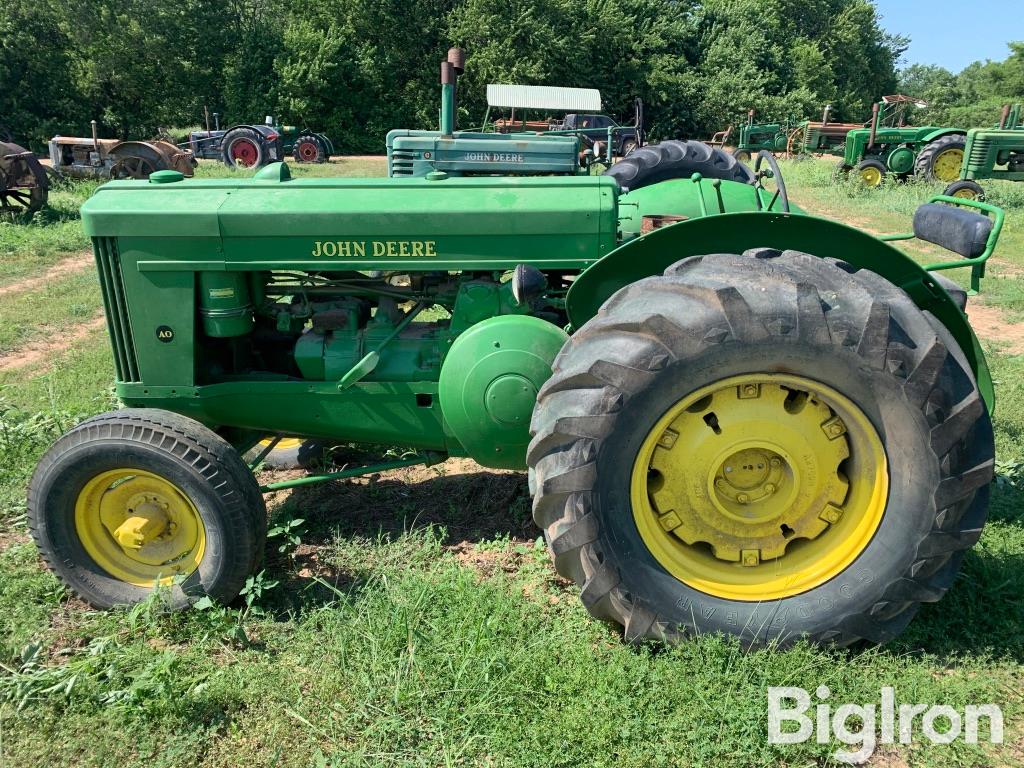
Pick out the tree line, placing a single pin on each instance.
(357, 68)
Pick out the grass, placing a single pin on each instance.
(417, 620)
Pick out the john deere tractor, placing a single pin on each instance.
(755, 137)
(735, 416)
(520, 147)
(878, 150)
(992, 153)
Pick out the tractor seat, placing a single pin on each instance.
(955, 229)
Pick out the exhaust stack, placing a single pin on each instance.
(451, 68)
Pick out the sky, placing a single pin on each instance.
(953, 33)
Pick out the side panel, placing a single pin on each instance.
(736, 232)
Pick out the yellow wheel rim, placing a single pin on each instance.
(946, 166)
(966, 193)
(759, 487)
(139, 527)
(872, 177)
(283, 444)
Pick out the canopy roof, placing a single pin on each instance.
(544, 97)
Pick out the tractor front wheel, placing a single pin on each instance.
(308, 149)
(771, 445)
(841, 172)
(871, 172)
(966, 189)
(136, 498)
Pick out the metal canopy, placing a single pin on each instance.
(544, 97)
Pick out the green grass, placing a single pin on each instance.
(890, 209)
(419, 623)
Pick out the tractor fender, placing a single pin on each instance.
(940, 132)
(651, 254)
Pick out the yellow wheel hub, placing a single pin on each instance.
(871, 176)
(139, 527)
(946, 166)
(966, 193)
(759, 487)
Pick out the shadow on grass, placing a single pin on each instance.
(353, 527)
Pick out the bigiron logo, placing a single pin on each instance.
(865, 726)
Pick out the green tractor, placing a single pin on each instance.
(735, 416)
(992, 153)
(755, 137)
(516, 147)
(886, 148)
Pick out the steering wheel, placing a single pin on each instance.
(772, 172)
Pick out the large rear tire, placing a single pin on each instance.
(136, 497)
(941, 159)
(677, 160)
(244, 148)
(774, 366)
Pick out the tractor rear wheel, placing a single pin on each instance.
(243, 148)
(654, 163)
(139, 497)
(741, 155)
(771, 445)
(967, 189)
(940, 160)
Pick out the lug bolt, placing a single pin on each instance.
(769, 488)
(776, 462)
(742, 498)
(719, 483)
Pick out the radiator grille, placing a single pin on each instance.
(112, 285)
(979, 152)
(401, 162)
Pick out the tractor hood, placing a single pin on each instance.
(272, 221)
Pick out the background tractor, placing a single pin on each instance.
(755, 137)
(736, 417)
(253, 145)
(887, 146)
(23, 183)
(114, 159)
(515, 145)
(992, 153)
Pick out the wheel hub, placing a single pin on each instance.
(139, 527)
(742, 486)
(946, 166)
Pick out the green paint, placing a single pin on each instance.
(272, 305)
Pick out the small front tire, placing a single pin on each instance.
(134, 498)
(965, 189)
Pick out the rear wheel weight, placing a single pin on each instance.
(135, 497)
(710, 324)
